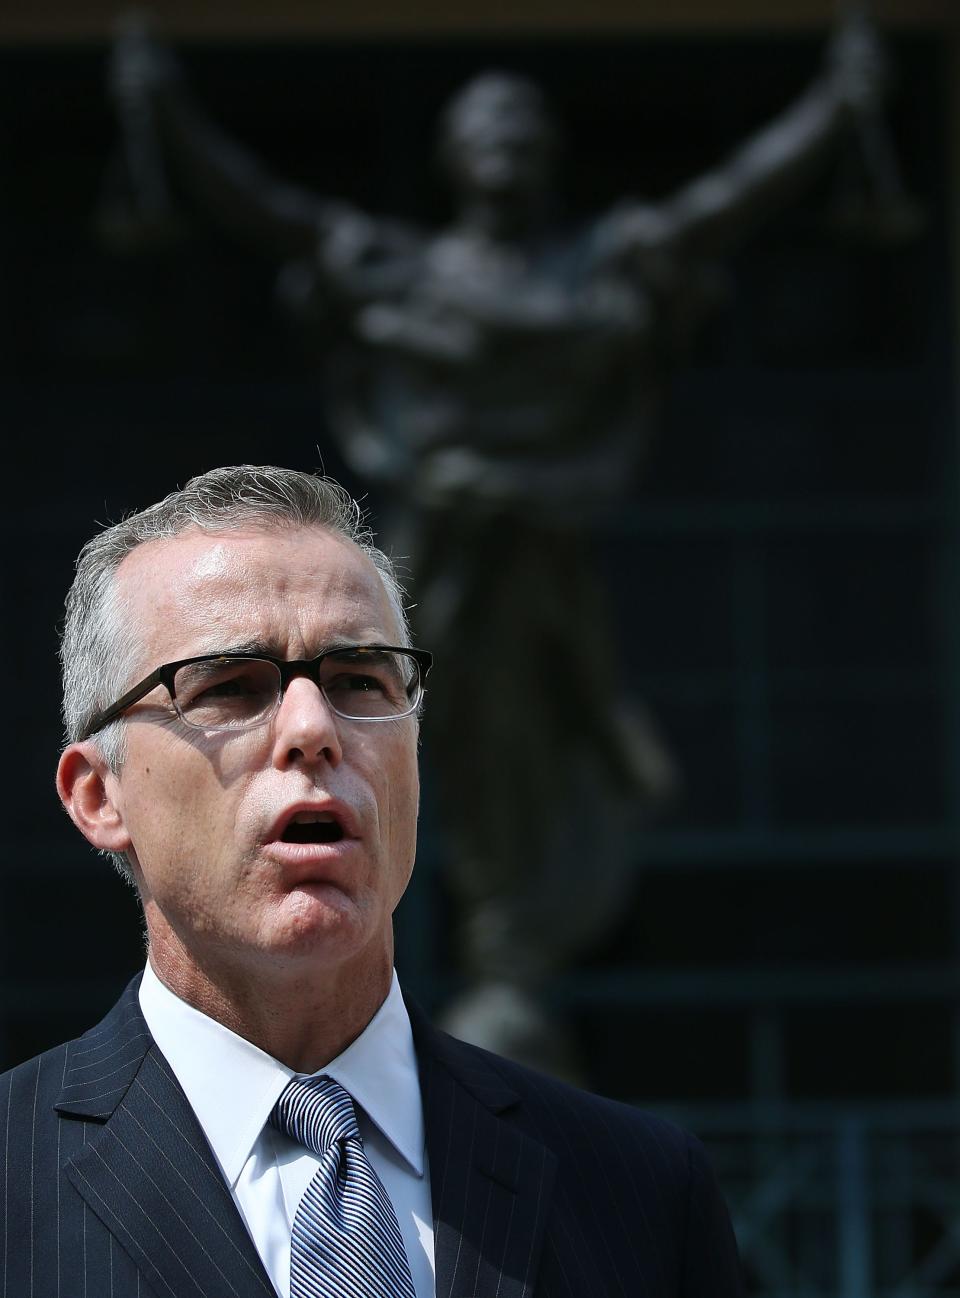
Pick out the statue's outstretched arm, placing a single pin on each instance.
(232, 185)
(712, 213)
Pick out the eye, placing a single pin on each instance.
(225, 692)
(213, 680)
(356, 682)
(366, 682)
(230, 686)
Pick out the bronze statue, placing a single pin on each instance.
(500, 380)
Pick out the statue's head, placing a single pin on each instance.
(498, 138)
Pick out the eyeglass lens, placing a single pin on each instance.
(234, 693)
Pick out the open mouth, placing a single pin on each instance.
(313, 827)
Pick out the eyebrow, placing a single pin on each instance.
(244, 647)
(256, 647)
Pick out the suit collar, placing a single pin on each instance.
(491, 1183)
(472, 1068)
(101, 1065)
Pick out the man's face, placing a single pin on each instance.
(225, 881)
(500, 140)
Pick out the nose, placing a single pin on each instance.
(305, 729)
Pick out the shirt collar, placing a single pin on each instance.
(232, 1085)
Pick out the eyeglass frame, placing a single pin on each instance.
(287, 668)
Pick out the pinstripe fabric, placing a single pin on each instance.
(346, 1240)
(109, 1189)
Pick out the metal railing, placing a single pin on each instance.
(841, 1201)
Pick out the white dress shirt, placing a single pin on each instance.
(232, 1087)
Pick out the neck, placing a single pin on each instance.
(301, 1016)
(507, 218)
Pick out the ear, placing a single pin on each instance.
(89, 792)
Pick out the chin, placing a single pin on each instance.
(319, 924)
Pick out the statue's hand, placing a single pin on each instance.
(353, 238)
(139, 65)
(857, 66)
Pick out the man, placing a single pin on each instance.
(241, 709)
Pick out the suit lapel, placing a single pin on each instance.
(146, 1169)
(491, 1184)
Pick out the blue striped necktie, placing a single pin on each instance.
(346, 1242)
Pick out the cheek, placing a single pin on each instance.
(175, 808)
(404, 806)
(390, 772)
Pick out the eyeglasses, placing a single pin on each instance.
(240, 691)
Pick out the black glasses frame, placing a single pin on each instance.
(287, 667)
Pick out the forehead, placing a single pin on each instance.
(496, 100)
(292, 591)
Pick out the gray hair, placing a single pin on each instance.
(98, 647)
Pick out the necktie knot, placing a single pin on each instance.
(316, 1112)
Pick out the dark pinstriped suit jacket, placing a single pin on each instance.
(110, 1190)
